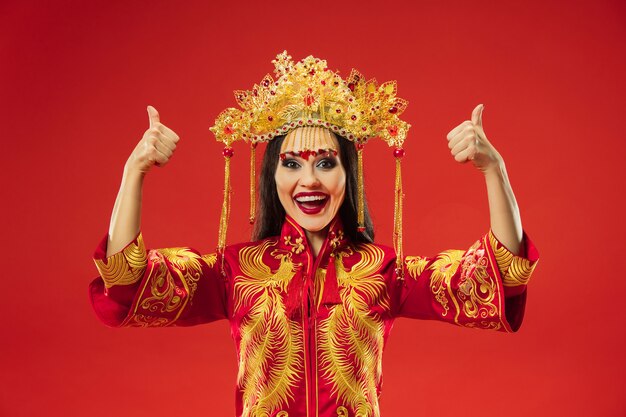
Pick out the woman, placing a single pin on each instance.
(312, 300)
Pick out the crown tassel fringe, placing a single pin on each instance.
(398, 153)
(252, 183)
(225, 216)
(360, 197)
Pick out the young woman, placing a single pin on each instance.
(312, 299)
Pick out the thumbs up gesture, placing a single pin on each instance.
(468, 142)
(156, 147)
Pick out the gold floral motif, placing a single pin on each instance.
(170, 292)
(271, 349)
(477, 289)
(125, 267)
(415, 265)
(336, 239)
(351, 338)
(296, 247)
(443, 268)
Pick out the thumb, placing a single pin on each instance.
(153, 115)
(477, 115)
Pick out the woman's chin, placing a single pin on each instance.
(313, 225)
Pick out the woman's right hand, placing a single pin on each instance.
(156, 147)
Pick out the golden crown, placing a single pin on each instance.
(307, 93)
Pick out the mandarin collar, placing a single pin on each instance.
(293, 238)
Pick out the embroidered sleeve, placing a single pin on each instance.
(159, 287)
(482, 287)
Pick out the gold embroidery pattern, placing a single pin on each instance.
(477, 289)
(342, 411)
(296, 247)
(125, 267)
(271, 349)
(415, 265)
(515, 270)
(443, 268)
(167, 296)
(142, 320)
(503, 256)
(519, 272)
(351, 338)
(210, 259)
(335, 241)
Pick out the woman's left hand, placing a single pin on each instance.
(468, 142)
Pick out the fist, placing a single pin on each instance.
(468, 142)
(156, 147)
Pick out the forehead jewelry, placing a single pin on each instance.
(308, 94)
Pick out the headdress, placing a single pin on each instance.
(307, 93)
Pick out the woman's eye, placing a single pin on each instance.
(290, 163)
(327, 163)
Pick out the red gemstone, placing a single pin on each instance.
(353, 117)
(359, 146)
(323, 82)
(398, 152)
(228, 152)
(364, 128)
(282, 156)
(338, 110)
(351, 86)
(393, 110)
(305, 154)
(270, 118)
(360, 229)
(393, 130)
(308, 100)
(228, 129)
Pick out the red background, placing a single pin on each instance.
(75, 81)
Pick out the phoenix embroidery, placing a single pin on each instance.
(351, 338)
(271, 348)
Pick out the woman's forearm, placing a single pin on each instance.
(506, 223)
(126, 217)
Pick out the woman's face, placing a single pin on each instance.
(311, 187)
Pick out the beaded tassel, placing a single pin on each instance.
(252, 182)
(221, 240)
(398, 153)
(360, 209)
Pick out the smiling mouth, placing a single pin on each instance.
(311, 203)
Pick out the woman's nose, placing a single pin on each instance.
(309, 178)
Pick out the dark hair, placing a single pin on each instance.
(271, 214)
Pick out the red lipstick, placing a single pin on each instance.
(311, 202)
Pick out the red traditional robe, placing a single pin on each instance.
(310, 332)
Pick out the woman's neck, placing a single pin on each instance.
(316, 240)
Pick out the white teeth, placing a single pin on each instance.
(305, 199)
